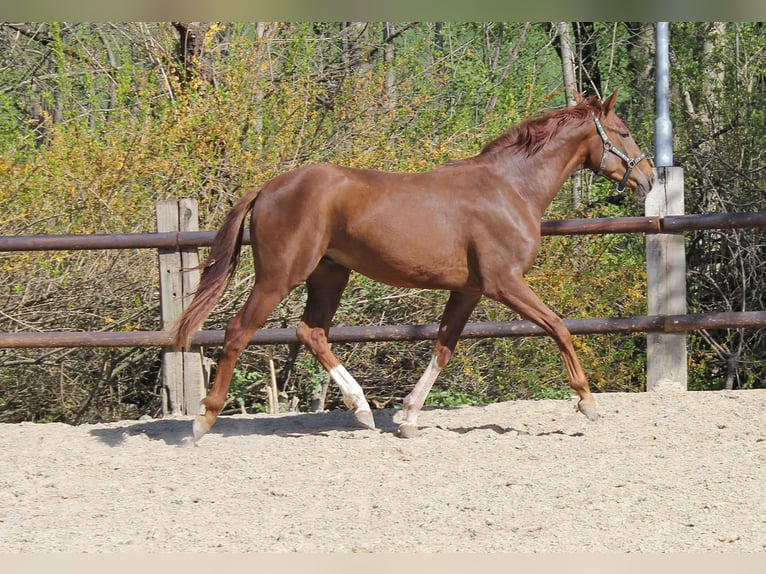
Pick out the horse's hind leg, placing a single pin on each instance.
(261, 302)
(324, 287)
(456, 313)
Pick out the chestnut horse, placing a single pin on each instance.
(471, 227)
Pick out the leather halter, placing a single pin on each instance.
(609, 147)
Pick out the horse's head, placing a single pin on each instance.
(613, 153)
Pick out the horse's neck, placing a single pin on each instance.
(540, 177)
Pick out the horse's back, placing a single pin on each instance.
(425, 229)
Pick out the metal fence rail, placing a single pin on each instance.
(191, 239)
(368, 334)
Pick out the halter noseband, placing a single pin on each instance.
(609, 147)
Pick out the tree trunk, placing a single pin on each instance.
(389, 89)
(641, 64)
(570, 87)
(438, 36)
(713, 78)
(190, 46)
(567, 61)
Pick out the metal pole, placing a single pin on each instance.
(663, 127)
(666, 355)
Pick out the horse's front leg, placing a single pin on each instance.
(514, 292)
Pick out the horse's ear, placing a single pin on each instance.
(609, 102)
(578, 97)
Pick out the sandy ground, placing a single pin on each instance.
(659, 472)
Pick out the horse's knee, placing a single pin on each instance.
(302, 332)
(313, 338)
(442, 355)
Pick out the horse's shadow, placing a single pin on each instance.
(505, 430)
(178, 431)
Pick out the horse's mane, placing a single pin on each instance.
(532, 134)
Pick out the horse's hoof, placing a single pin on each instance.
(589, 410)
(364, 418)
(200, 427)
(408, 430)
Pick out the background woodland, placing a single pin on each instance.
(98, 121)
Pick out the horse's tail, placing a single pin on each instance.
(218, 269)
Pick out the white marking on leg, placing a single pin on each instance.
(353, 395)
(415, 400)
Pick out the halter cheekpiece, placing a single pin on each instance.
(609, 147)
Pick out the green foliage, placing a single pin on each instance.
(446, 398)
(245, 390)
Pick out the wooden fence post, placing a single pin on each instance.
(666, 355)
(184, 374)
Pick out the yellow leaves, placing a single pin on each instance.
(215, 28)
(590, 276)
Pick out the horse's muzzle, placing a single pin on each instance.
(644, 182)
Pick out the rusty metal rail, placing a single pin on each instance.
(602, 225)
(590, 326)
